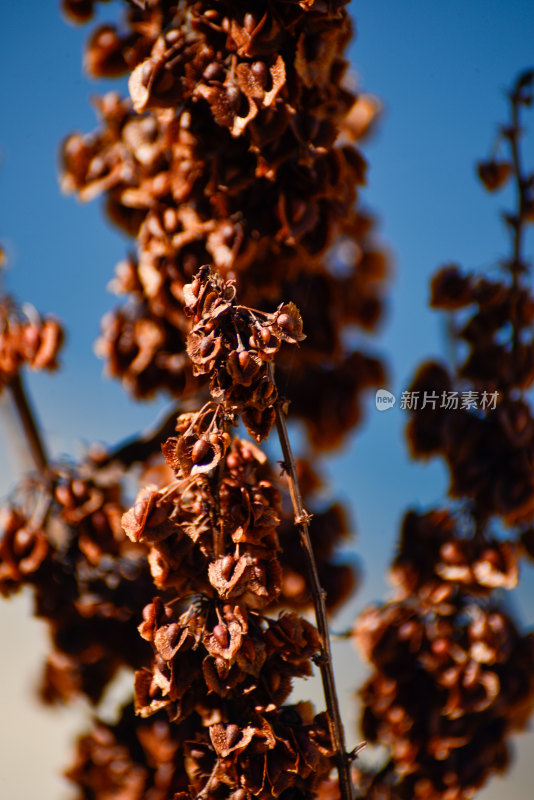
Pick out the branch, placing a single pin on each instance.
(139, 447)
(521, 181)
(325, 659)
(517, 265)
(33, 441)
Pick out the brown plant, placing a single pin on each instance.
(452, 671)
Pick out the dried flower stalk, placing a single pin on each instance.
(207, 541)
(33, 440)
(26, 338)
(452, 670)
(325, 658)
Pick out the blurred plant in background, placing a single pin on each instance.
(452, 670)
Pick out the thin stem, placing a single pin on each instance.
(140, 447)
(218, 536)
(516, 97)
(204, 794)
(33, 440)
(318, 594)
(517, 264)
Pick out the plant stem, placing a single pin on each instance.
(141, 447)
(33, 441)
(527, 78)
(325, 660)
(517, 265)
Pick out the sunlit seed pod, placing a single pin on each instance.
(232, 735)
(440, 646)
(244, 359)
(408, 630)
(213, 71)
(265, 334)
(170, 220)
(200, 451)
(232, 461)
(260, 72)
(206, 345)
(249, 22)
(31, 336)
(228, 611)
(23, 539)
(220, 633)
(158, 516)
(79, 488)
(196, 753)
(285, 322)
(227, 567)
(267, 389)
(64, 495)
(172, 36)
(275, 681)
(233, 96)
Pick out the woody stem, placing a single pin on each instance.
(517, 264)
(139, 448)
(26, 417)
(318, 594)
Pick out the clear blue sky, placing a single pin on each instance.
(440, 70)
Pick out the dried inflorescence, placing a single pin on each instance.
(237, 152)
(488, 444)
(453, 673)
(450, 685)
(233, 345)
(132, 759)
(26, 338)
(236, 149)
(192, 523)
(440, 549)
(63, 538)
(23, 548)
(487, 440)
(221, 665)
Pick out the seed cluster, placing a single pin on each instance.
(234, 345)
(63, 538)
(220, 664)
(452, 681)
(236, 149)
(209, 657)
(452, 670)
(26, 338)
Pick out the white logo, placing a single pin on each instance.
(384, 400)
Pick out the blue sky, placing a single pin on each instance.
(440, 70)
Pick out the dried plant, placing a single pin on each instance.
(236, 149)
(234, 167)
(237, 153)
(453, 673)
